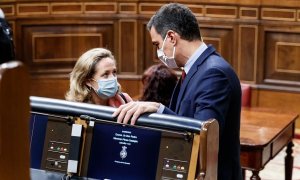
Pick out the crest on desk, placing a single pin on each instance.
(123, 153)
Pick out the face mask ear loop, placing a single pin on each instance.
(174, 52)
(162, 47)
(89, 88)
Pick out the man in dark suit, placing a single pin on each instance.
(210, 89)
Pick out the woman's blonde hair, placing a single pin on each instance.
(84, 70)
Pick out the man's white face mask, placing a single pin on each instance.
(168, 61)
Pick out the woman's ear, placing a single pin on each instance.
(88, 84)
(119, 88)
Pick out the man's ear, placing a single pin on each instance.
(173, 36)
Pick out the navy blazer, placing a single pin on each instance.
(211, 89)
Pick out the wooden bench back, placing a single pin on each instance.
(14, 121)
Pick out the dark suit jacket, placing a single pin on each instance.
(211, 89)
(7, 50)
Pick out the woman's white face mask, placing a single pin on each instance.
(168, 61)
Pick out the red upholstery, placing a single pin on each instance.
(246, 95)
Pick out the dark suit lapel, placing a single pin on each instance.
(191, 73)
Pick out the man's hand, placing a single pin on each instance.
(132, 110)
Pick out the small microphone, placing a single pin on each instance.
(88, 118)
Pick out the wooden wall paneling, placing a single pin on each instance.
(140, 46)
(54, 87)
(9, 10)
(66, 8)
(128, 46)
(234, 61)
(287, 57)
(131, 86)
(276, 3)
(278, 14)
(275, 99)
(146, 54)
(33, 9)
(248, 13)
(223, 38)
(260, 55)
(150, 54)
(44, 43)
(100, 7)
(225, 2)
(128, 8)
(149, 8)
(278, 100)
(46, 47)
(198, 10)
(221, 11)
(247, 52)
(116, 48)
(282, 65)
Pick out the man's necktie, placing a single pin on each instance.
(183, 76)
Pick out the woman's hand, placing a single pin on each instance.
(132, 110)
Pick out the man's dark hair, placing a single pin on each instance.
(178, 18)
(7, 50)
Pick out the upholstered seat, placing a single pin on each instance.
(246, 95)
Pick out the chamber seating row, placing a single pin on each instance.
(83, 140)
(68, 140)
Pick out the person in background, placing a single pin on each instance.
(209, 87)
(158, 84)
(94, 80)
(7, 49)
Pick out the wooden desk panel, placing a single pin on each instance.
(263, 135)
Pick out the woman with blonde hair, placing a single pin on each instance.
(94, 80)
